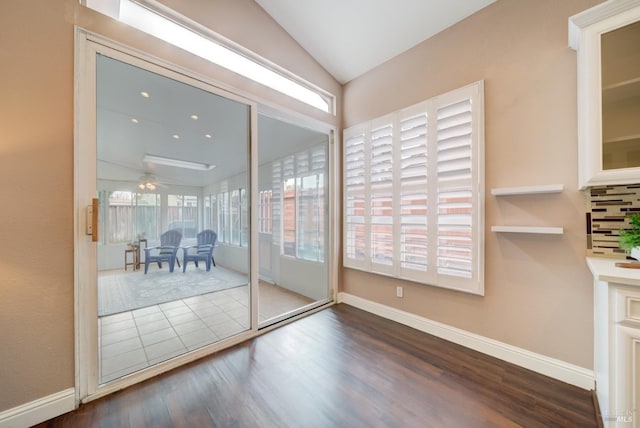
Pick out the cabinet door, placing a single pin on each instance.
(627, 373)
(608, 86)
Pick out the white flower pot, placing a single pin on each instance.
(635, 253)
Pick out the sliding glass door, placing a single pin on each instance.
(199, 221)
(293, 184)
(173, 249)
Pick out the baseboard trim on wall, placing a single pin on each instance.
(557, 369)
(39, 410)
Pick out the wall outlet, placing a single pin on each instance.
(399, 291)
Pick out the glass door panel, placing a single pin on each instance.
(293, 208)
(173, 254)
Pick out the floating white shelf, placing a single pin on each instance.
(527, 190)
(529, 229)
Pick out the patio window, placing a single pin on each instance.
(265, 211)
(130, 216)
(232, 217)
(303, 204)
(211, 213)
(182, 214)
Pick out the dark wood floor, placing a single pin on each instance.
(342, 367)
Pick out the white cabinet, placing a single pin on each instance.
(608, 59)
(617, 342)
(627, 345)
(626, 330)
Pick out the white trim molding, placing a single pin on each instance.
(557, 369)
(39, 410)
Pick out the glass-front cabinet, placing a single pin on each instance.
(607, 39)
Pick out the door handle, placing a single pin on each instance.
(92, 220)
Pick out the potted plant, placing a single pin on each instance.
(630, 238)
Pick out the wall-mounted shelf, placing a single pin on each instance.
(527, 190)
(545, 230)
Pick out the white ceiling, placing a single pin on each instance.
(350, 37)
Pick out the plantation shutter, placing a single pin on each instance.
(413, 189)
(355, 239)
(413, 196)
(381, 205)
(301, 164)
(458, 187)
(318, 159)
(276, 201)
(288, 167)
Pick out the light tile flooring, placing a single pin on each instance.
(133, 340)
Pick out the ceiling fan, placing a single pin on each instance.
(149, 182)
(130, 176)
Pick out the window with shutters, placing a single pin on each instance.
(355, 232)
(229, 217)
(413, 192)
(265, 211)
(381, 196)
(298, 203)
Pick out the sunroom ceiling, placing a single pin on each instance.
(177, 121)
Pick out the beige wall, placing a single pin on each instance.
(36, 165)
(538, 288)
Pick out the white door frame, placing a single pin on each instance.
(88, 45)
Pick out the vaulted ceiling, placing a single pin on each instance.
(350, 37)
(183, 122)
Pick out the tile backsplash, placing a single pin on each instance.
(609, 207)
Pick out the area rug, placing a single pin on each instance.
(127, 291)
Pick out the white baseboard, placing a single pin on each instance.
(557, 369)
(39, 410)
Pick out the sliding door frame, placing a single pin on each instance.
(88, 46)
(332, 210)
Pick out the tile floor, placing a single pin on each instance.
(133, 340)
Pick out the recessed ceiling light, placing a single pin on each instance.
(134, 120)
(207, 136)
(194, 116)
(176, 136)
(145, 94)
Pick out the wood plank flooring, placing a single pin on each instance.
(342, 367)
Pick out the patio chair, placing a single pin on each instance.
(169, 244)
(203, 250)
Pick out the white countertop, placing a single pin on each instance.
(604, 269)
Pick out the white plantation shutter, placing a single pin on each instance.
(455, 211)
(276, 201)
(302, 164)
(460, 187)
(381, 203)
(381, 158)
(288, 168)
(413, 187)
(306, 206)
(355, 242)
(413, 196)
(318, 159)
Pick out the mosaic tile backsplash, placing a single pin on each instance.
(610, 205)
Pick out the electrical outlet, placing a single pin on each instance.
(399, 291)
